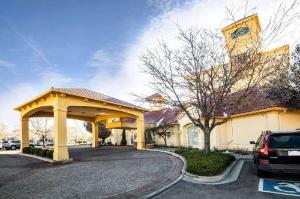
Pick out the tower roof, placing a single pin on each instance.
(155, 97)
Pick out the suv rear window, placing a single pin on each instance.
(284, 141)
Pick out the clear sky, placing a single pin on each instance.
(60, 36)
(96, 44)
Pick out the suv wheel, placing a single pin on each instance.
(13, 147)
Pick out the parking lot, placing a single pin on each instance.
(119, 172)
(123, 172)
(244, 188)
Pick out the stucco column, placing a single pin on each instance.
(60, 134)
(95, 135)
(24, 132)
(140, 132)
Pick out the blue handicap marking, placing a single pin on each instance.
(279, 187)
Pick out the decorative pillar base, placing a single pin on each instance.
(140, 133)
(24, 132)
(140, 145)
(95, 141)
(61, 153)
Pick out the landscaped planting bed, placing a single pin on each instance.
(46, 153)
(205, 164)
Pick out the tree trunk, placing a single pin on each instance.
(44, 142)
(165, 139)
(123, 141)
(206, 140)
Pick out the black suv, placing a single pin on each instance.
(277, 151)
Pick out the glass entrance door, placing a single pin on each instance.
(193, 137)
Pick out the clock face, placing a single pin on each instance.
(239, 32)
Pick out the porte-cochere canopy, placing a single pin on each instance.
(82, 104)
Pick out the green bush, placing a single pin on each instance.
(44, 153)
(38, 151)
(25, 149)
(50, 154)
(123, 140)
(31, 150)
(205, 164)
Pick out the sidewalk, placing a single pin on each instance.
(9, 152)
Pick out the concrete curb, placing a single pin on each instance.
(151, 195)
(37, 157)
(46, 159)
(230, 174)
(211, 179)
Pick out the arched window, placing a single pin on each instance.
(193, 136)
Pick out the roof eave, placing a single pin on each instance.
(240, 21)
(33, 99)
(138, 108)
(277, 108)
(52, 89)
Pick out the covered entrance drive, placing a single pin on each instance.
(82, 104)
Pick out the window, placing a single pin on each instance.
(285, 141)
(193, 136)
(260, 141)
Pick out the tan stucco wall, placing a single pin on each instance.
(234, 134)
(238, 131)
(116, 136)
(289, 120)
(185, 123)
(172, 140)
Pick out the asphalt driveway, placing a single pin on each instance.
(244, 188)
(118, 172)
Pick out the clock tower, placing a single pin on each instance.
(242, 35)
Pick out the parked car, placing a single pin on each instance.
(47, 143)
(11, 144)
(277, 151)
(81, 142)
(32, 144)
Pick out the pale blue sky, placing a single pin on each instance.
(61, 36)
(96, 44)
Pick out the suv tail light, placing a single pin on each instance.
(264, 151)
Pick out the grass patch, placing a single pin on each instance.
(210, 164)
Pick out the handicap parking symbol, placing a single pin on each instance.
(279, 187)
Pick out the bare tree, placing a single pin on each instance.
(163, 131)
(40, 128)
(285, 87)
(103, 131)
(201, 76)
(3, 131)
